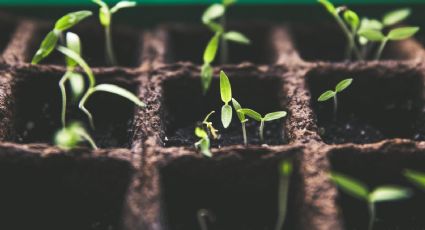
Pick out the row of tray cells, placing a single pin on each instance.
(240, 189)
(385, 101)
(186, 42)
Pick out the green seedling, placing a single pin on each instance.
(268, 117)
(204, 216)
(360, 33)
(394, 35)
(50, 42)
(204, 143)
(209, 126)
(226, 97)
(417, 178)
(76, 80)
(69, 137)
(222, 36)
(360, 191)
(105, 17)
(218, 11)
(341, 86)
(93, 88)
(349, 23)
(285, 171)
(242, 119)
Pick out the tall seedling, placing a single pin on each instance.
(105, 17)
(285, 172)
(93, 88)
(220, 38)
(360, 191)
(50, 42)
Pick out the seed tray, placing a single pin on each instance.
(147, 174)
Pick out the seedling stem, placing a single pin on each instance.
(285, 171)
(203, 217)
(242, 119)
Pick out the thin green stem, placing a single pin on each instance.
(63, 94)
(381, 49)
(110, 55)
(350, 38)
(224, 55)
(88, 138)
(262, 130)
(371, 215)
(283, 200)
(245, 140)
(335, 108)
(82, 103)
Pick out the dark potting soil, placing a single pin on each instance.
(240, 192)
(232, 135)
(383, 102)
(187, 43)
(37, 117)
(384, 167)
(61, 191)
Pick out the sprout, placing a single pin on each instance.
(242, 119)
(285, 171)
(204, 143)
(268, 117)
(69, 137)
(365, 30)
(93, 88)
(351, 19)
(49, 43)
(105, 17)
(212, 13)
(394, 35)
(204, 216)
(360, 191)
(226, 97)
(417, 178)
(209, 126)
(75, 79)
(341, 86)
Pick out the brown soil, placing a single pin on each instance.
(160, 180)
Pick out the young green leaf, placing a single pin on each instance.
(226, 115)
(351, 186)
(206, 76)
(47, 46)
(251, 113)
(274, 116)
(204, 143)
(237, 107)
(372, 35)
(418, 178)
(329, 6)
(73, 43)
(389, 193)
(122, 5)
(69, 137)
(402, 33)
(326, 95)
(370, 24)
(352, 19)
(225, 88)
(396, 16)
(71, 20)
(120, 92)
(342, 85)
(77, 84)
(236, 37)
(199, 132)
(213, 12)
(211, 50)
